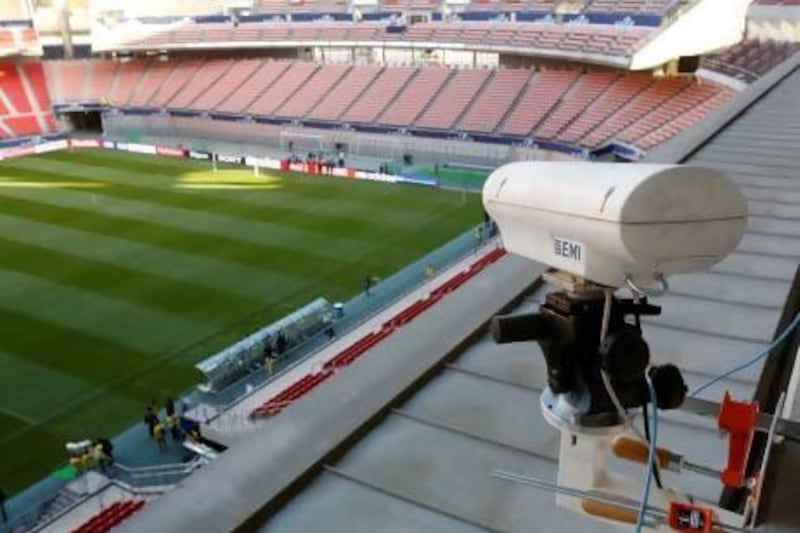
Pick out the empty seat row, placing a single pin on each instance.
(752, 58)
(110, 517)
(656, 7)
(299, 388)
(589, 38)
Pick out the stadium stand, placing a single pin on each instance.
(213, 95)
(494, 103)
(454, 99)
(416, 96)
(377, 96)
(312, 92)
(651, 98)
(544, 91)
(24, 99)
(110, 517)
(751, 59)
(65, 79)
(182, 73)
(574, 102)
(150, 82)
(683, 119)
(11, 85)
(248, 91)
(292, 79)
(600, 41)
(619, 94)
(345, 93)
(582, 109)
(204, 78)
(650, 7)
(778, 2)
(100, 78)
(127, 80)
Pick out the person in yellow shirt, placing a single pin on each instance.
(159, 433)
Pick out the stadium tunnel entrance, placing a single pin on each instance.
(84, 121)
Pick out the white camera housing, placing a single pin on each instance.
(608, 222)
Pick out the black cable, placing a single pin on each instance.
(656, 470)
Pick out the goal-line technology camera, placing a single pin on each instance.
(603, 226)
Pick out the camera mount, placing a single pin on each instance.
(580, 344)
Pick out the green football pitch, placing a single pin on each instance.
(118, 272)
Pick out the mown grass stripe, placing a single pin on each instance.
(216, 225)
(309, 217)
(350, 195)
(183, 298)
(164, 261)
(131, 325)
(65, 350)
(21, 386)
(299, 192)
(118, 221)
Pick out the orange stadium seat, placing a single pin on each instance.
(203, 80)
(345, 93)
(574, 102)
(423, 88)
(304, 99)
(453, 98)
(291, 80)
(544, 91)
(377, 96)
(243, 95)
(182, 73)
(494, 103)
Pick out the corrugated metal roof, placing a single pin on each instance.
(432, 458)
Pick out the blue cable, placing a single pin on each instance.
(765, 352)
(651, 455)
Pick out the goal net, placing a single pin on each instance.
(302, 142)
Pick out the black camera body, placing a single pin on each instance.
(568, 327)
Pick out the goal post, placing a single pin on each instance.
(297, 142)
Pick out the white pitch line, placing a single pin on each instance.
(10, 412)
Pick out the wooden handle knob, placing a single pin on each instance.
(635, 450)
(609, 511)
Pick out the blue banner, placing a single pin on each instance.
(19, 23)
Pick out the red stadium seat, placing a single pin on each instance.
(110, 517)
(277, 403)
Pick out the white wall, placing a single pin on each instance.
(708, 25)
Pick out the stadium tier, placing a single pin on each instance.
(650, 7)
(778, 2)
(750, 59)
(582, 109)
(24, 100)
(601, 40)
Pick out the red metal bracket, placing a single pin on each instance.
(688, 518)
(739, 420)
